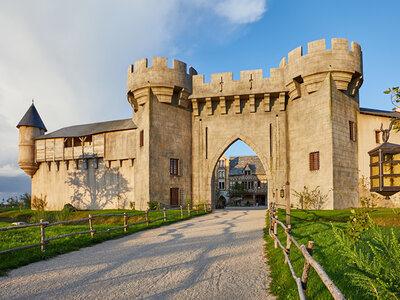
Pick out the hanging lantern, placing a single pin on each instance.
(385, 166)
(282, 193)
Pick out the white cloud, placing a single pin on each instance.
(241, 12)
(72, 56)
(10, 171)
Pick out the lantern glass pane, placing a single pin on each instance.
(387, 169)
(374, 159)
(374, 170)
(391, 168)
(375, 182)
(391, 181)
(387, 157)
(396, 156)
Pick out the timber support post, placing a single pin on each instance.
(147, 218)
(181, 212)
(42, 236)
(287, 194)
(306, 268)
(125, 222)
(91, 226)
(165, 215)
(288, 241)
(276, 234)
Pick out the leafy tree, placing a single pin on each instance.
(26, 199)
(238, 190)
(394, 93)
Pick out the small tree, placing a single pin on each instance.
(39, 203)
(238, 190)
(26, 199)
(311, 199)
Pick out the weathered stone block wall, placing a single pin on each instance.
(170, 137)
(345, 160)
(92, 188)
(310, 130)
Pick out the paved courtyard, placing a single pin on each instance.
(217, 256)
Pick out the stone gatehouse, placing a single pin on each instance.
(304, 122)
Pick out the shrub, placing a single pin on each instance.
(153, 205)
(132, 205)
(39, 203)
(69, 207)
(358, 223)
(313, 199)
(375, 263)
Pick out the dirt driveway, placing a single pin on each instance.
(217, 256)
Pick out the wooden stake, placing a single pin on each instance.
(306, 268)
(288, 242)
(287, 194)
(42, 236)
(276, 234)
(91, 226)
(181, 212)
(197, 209)
(205, 208)
(165, 215)
(147, 218)
(125, 223)
(188, 210)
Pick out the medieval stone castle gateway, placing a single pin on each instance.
(304, 122)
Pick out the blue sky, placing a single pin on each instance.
(72, 56)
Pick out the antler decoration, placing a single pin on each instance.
(386, 132)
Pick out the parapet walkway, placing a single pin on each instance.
(217, 256)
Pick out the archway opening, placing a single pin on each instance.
(239, 178)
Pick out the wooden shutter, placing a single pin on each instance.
(314, 161)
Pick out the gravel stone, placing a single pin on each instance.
(216, 256)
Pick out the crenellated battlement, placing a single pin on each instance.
(162, 80)
(311, 69)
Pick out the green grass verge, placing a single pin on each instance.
(31, 235)
(317, 226)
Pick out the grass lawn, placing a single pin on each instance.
(313, 225)
(25, 236)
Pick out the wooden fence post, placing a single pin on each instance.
(306, 268)
(165, 216)
(125, 222)
(276, 234)
(181, 212)
(197, 209)
(188, 210)
(91, 226)
(288, 241)
(42, 236)
(276, 197)
(205, 207)
(287, 194)
(147, 218)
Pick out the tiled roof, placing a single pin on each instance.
(89, 129)
(238, 163)
(377, 112)
(32, 118)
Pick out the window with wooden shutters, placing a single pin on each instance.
(314, 161)
(141, 138)
(352, 131)
(377, 136)
(173, 166)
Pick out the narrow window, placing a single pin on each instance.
(352, 131)
(270, 139)
(377, 136)
(67, 142)
(173, 166)
(141, 138)
(314, 161)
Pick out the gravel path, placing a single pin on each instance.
(217, 256)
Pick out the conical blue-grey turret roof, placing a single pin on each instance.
(32, 118)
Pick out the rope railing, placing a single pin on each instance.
(307, 252)
(43, 224)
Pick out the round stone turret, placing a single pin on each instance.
(30, 126)
(162, 80)
(312, 68)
